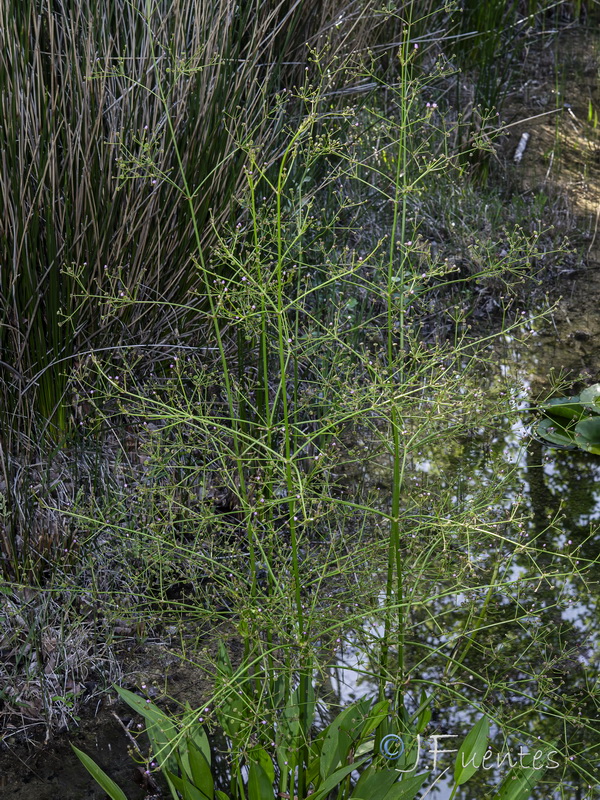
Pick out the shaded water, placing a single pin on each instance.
(546, 661)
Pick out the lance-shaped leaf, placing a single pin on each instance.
(519, 782)
(470, 753)
(101, 778)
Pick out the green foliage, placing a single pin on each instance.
(573, 421)
(470, 753)
(342, 749)
(101, 778)
(311, 350)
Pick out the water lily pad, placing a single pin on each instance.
(590, 398)
(568, 407)
(587, 435)
(554, 431)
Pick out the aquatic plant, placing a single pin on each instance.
(573, 422)
(344, 760)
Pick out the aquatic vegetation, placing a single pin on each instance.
(367, 752)
(573, 421)
(277, 474)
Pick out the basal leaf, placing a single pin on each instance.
(555, 432)
(107, 784)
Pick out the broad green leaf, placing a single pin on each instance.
(198, 735)
(260, 787)
(233, 715)
(107, 784)
(378, 713)
(375, 784)
(289, 729)
(223, 662)
(520, 781)
(332, 781)
(590, 398)
(339, 738)
(286, 759)
(406, 789)
(219, 795)
(187, 789)
(364, 747)
(555, 432)
(470, 753)
(260, 756)
(277, 695)
(199, 769)
(161, 730)
(425, 714)
(569, 407)
(587, 435)
(309, 714)
(195, 731)
(314, 758)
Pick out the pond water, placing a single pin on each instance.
(559, 490)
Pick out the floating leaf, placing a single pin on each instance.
(555, 432)
(470, 753)
(569, 407)
(590, 398)
(587, 435)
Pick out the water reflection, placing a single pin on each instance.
(533, 663)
